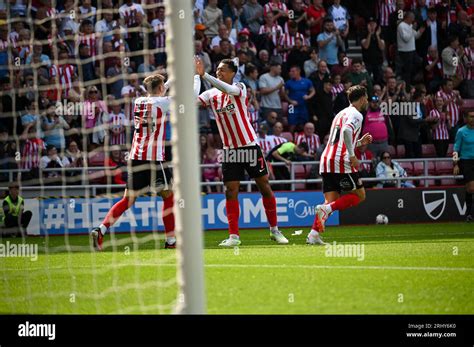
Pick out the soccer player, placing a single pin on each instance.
(228, 102)
(463, 156)
(339, 164)
(146, 167)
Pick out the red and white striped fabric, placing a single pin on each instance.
(118, 121)
(430, 60)
(265, 145)
(271, 5)
(232, 116)
(312, 141)
(276, 32)
(150, 128)
(385, 8)
(275, 140)
(470, 57)
(129, 91)
(52, 13)
(336, 89)
(89, 40)
(129, 14)
(31, 154)
(335, 158)
(289, 41)
(364, 166)
(452, 107)
(431, 3)
(65, 75)
(253, 116)
(160, 40)
(440, 132)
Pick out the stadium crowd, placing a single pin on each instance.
(68, 77)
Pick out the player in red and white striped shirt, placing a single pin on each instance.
(242, 154)
(339, 164)
(145, 167)
(308, 136)
(440, 131)
(452, 100)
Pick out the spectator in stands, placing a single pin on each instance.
(337, 87)
(342, 101)
(159, 32)
(118, 124)
(212, 19)
(225, 51)
(251, 78)
(366, 169)
(38, 54)
(462, 28)
(453, 102)
(53, 126)
(451, 57)
(298, 91)
(88, 11)
(244, 44)
(209, 155)
(105, 26)
(271, 117)
(378, 125)
(463, 157)
(341, 17)
(322, 74)
(91, 112)
(310, 138)
(388, 168)
(468, 61)
(223, 35)
(433, 36)
(373, 48)
(86, 67)
(131, 16)
(298, 54)
(409, 127)
(263, 62)
(115, 87)
(323, 108)
(147, 66)
(406, 36)
(253, 13)
(433, 69)
(276, 138)
(287, 42)
(311, 65)
(440, 126)
(262, 139)
(7, 154)
(206, 59)
(115, 162)
(329, 42)
(271, 85)
(53, 160)
(13, 214)
(315, 14)
(269, 36)
(359, 77)
(74, 155)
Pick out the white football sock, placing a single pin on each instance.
(313, 233)
(171, 240)
(274, 229)
(234, 236)
(103, 229)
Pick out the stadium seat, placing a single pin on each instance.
(300, 171)
(408, 166)
(287, 135)
(450, 150)
(428, 151)
(392, 151)
(468, 105)
(401, 151)
(431, 183)
(444, 167)
(448, 182)
(418, 168)
(97, 159)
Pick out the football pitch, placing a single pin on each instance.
(388, 269)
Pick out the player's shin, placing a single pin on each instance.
(168, 219)
(233, 210)
(344, 202)
(114, 214)
(270, 210)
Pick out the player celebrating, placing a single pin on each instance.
(229, 104)
(338, 165)
(146, 167)
(463, 157)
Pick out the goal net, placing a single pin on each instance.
(70, 73)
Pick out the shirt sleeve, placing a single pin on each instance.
(458, 142)
(287, 147)
(204, 98)
(354, 121)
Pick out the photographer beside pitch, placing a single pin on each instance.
(463, 157)
(13, 214)
(339, 164)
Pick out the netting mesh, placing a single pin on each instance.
(70, 74)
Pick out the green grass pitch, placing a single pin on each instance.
(407, 269)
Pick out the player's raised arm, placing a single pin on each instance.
(225, 74)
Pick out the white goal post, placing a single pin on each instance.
(186, 171)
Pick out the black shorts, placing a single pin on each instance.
(153, 174)
(336, 182)
(467, 169)
(235, 162)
